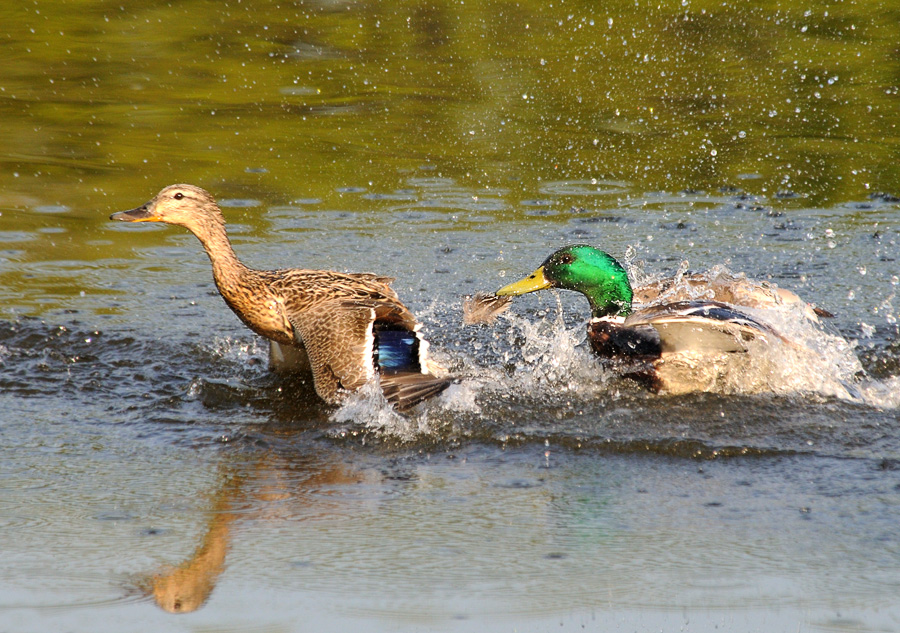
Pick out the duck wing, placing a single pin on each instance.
(700, 326)
(726, 288)
(373, 277)
(611, 339)
(338, 339)
(407, 389)
(348, 341)
(483, 307)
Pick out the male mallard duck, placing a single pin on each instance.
(679, 347)
(349, 326)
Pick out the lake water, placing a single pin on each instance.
(155, 476)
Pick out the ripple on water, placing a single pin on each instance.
(299, 91)
(434, 183)
(591, 187)
(50, 591)
(51, 208)
(541, 212)
(119, 227)
(239, 203)
(15, 236)
(396, 196)
(584, 543)
(292, 218)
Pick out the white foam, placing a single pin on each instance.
(813, 359)
(884, 394)
(532, 356)
(368, 409)
(240, 351)
(461, 397)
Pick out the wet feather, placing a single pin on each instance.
(692, 340)
(332, 319)
(484, 308)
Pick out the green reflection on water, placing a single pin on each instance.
(102, 104)
(101, 97)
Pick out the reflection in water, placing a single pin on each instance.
(448, 144)
(187, 587)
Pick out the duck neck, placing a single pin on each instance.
(228, 271)
(609, 292)
(603, 304)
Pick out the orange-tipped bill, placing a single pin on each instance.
(532, 283)
(141, 214)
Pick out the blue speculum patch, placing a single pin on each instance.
(397, 351)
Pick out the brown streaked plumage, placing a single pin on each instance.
(337, 318)
(483, 308)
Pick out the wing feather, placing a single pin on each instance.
(701, 326)
(339, 341)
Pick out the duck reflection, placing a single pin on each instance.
(187, 587)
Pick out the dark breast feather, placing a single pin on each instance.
(613, 340)
(629, 352)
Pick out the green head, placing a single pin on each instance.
(585, 269)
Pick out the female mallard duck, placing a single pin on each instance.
(348, 327)
(679, 347)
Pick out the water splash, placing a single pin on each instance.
(815, 358)
(523, 357)
(461, 398)
(552, 355)
(245, 352)
(812, 357)
(883, 394)
(367, 409)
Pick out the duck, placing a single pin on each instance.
(346, 328)
(676, 346)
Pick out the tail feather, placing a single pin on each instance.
(405, 390)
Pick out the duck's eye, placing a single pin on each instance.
(178, 196)
(566, 259)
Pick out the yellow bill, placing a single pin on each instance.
(533, 282)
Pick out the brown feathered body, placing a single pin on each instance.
(340, 321)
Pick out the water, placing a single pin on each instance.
(152, 466)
